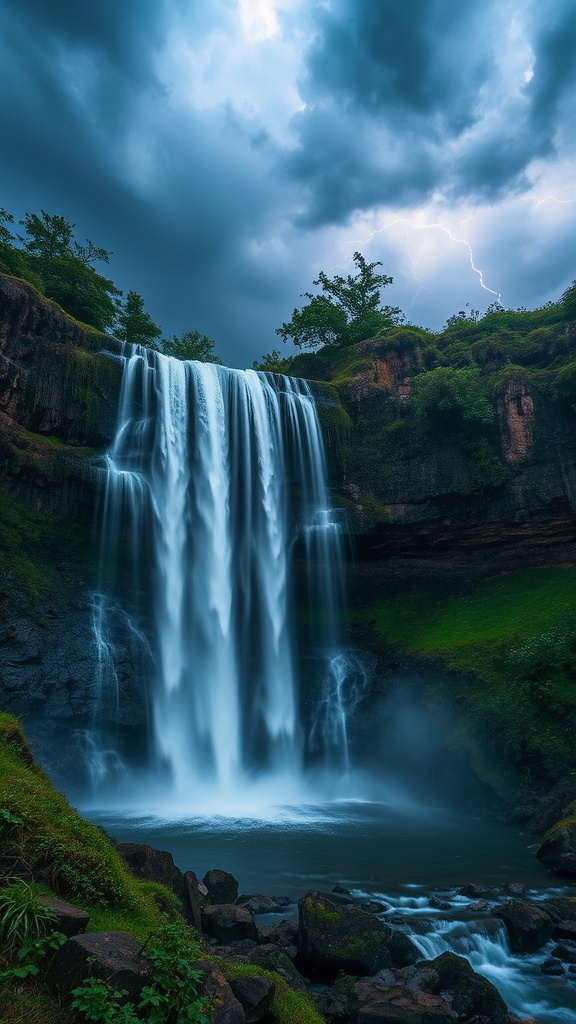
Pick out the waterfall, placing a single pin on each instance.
(215, 479)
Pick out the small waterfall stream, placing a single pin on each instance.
(214, 477)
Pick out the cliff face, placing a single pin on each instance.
(424, 503)
(414, 490)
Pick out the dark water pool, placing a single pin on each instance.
(368, 846)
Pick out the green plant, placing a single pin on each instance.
(23, 917)
(347, 311)
(29, 955)
(452, 397)
(173, 996)
(100, 1002)
(10, 825)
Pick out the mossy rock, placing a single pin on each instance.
(471, 993)
(558, 851)
(334, 938)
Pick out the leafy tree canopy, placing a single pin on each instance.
(191, 345)
(51, 256)
(347, 310)
(134, 324)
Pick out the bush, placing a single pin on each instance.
(23, 918)
(452, 397)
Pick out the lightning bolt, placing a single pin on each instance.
(412, 223)
(414, 226)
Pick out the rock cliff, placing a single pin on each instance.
(423, 502)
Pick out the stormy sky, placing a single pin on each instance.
(228, 150)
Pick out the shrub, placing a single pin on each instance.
(23, 918)
(452, 397)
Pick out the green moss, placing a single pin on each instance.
(288, 1006)
(569, 822)
(481, 615)
(76, 856)
(40, 550)
(510, 647)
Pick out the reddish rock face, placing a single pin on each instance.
(517, 420)
(371, 1004)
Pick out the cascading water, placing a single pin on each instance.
(215, 476)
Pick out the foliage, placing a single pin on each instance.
(191, 345)
(347, 311)
(74, 854)
(512, 643)
(273, 362)
(29, 958)
(98, 1000)
(134, 324)
(172, 998)
(483, 466)
(452, 396)
(568, 302)
(543, 664)
(65, 269)
(23, 918)
(564, 387)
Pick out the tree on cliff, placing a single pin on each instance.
(347, 310)
(191, 345)
(66, 271)
(134, 324)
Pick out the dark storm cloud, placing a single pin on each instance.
(166, 130)
(551, 90)
(175, 195)
(410, 98)
(398, 59)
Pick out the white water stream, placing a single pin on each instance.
(213, 476)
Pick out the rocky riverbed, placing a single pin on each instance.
(475, 954)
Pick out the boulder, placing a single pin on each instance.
(403, 952)
(195, 899)
(331, 1005)
(259, 904)
(238, 951)
(225, 1007)
(336, 938)
(438, 903)
(558, 851)
(255, 994)
(370, 1003)
(272, 958)
(373, 907)
(111, 956)
(553, 967)
(470, 993)
(284, 934)
(157, 866)
(528, 926)
(221, 885)
(565, 930)
(229, 923)
(560, 908)
(420, 977)
(69, 920)
(565, 951)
